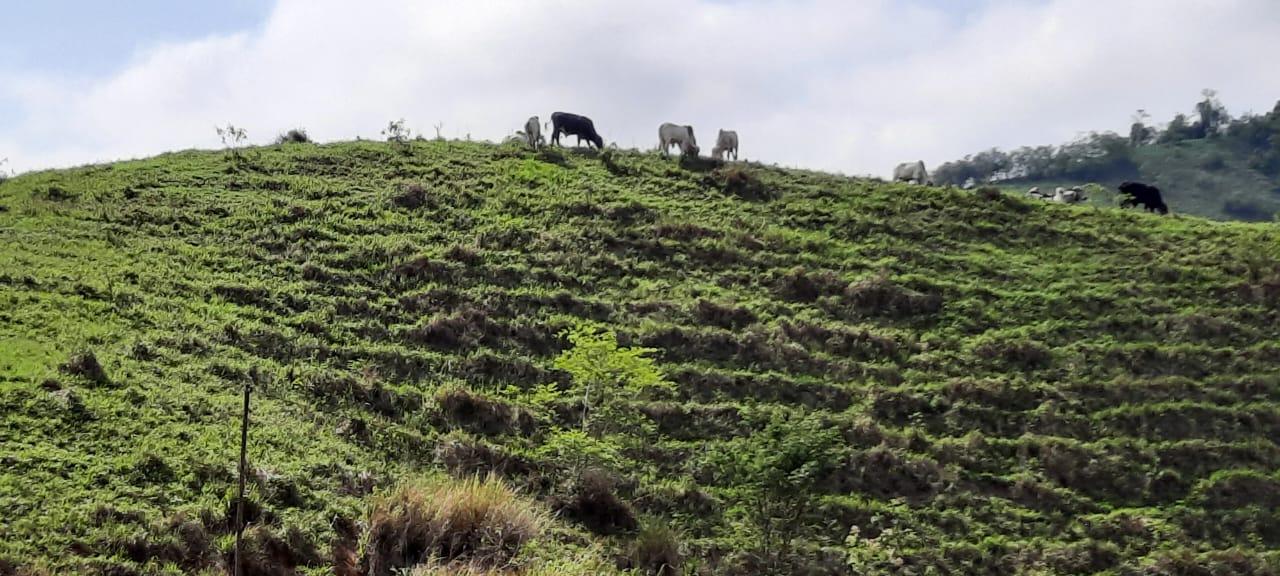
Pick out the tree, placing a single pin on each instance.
(1178, 130)
(955, 173)
(1032, 162)
(777, 472)
(1213, 115)
(232, 139)
(608, 376)
(397, 132)
(1139, 133)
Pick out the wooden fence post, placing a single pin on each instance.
(244, 440)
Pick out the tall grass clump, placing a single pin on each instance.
(473, 523)
(656, 550)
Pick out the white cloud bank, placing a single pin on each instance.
(843, 85)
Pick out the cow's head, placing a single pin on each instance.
(598, 141)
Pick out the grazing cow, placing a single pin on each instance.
(1073, 195)
(681, 136)
(1148, 196)
(911, 172)
(574, 125)
(726, 141)
(533, 132)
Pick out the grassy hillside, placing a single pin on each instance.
(1197, 177)
(844, 376)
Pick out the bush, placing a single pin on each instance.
(397, 132)
(480, 415)
(85, 364)
(1214, 163)
(779, 470)
(656, 550)
(411, 196)
(294, 136)
(740, 182)
(801, 285)
(1018, 353)
(462, 456)
(589, 562)
(593, 503)
(608, 376)
(726, 316)
(481, 523)
(267, 553)
(988, 193)
(879, 295)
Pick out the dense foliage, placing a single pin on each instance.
(1213, 165)
(658, 366)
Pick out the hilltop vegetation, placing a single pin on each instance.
(676, 369)
(1214, 166)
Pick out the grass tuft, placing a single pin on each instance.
(85, 364)
(478, 522)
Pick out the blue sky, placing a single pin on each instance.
(96, 37)
(853, 86)
(87, 39)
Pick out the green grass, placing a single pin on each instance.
(1017, 387)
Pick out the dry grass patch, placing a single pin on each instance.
(480, 523)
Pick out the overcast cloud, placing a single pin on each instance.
(841, 85)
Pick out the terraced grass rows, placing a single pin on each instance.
(1016, 387)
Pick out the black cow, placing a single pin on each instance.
(1148, 196)
(574, 125)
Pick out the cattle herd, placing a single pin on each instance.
(581, 127)
(682, 137)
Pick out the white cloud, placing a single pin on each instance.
(830, 84)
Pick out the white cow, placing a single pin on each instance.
(681, 136)
(726, 141)
(533, 132)
(911, 172)
(1074, 195)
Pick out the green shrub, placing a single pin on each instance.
(656, 551)
(293, 136)
(592, 500)
(778, 471)
(739, 181)
(85, 364)
(607, 376)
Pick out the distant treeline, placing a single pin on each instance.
(1107, 155)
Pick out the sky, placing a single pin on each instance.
(849, 86)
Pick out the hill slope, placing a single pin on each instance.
(882, 377)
